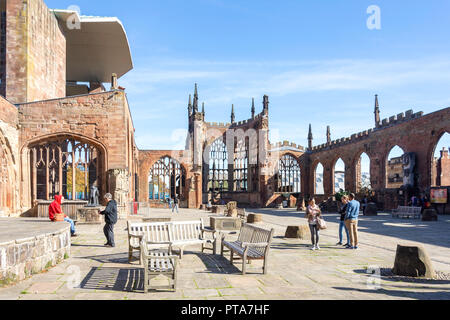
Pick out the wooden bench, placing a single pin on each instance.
(253, 244)
(187, 233)
(178, 234)
(156, 235)
(407, 212)
(156, 263)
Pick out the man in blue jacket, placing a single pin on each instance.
(351, 221)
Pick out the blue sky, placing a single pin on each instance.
(317, 61)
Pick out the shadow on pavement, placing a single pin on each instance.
(436, 295)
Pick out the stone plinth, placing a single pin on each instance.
(413, 261)
(30, 246)
(254, 218)
(429, 215)
(371, 210)
(298, 232)
(225, 223)
(90, 215)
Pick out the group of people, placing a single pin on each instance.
(110, 214)
(420, 202)
(348, 222)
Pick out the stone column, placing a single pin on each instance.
(119, 187)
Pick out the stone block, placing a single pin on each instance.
(254, 218)
(371, 210)
(413, 261)
(429, 215)
(298, 232)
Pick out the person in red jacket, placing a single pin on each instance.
(55, 208)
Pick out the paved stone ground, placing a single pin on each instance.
(295, 272)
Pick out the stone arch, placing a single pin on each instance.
(393, 167)
(337, 184)
(288, 174)
(361, 181)
(318, 178)
(96, 164)
(437, 166)
(169, 175)
(8, 178)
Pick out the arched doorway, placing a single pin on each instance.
(318, 180)
(6, 183)
(288, 178)
(394, 168)
(441, 162)
(167, 179)
(339, 176)
(65, 166)
(363, 173)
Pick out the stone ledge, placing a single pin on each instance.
(27, 255)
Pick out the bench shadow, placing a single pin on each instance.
(119, 258)
(117, 279)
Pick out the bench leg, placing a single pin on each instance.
(130, 254)
(146, 279)
(231, 256)
(265, 266)
(244, 265)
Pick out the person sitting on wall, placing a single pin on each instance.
(110, 214)
(55, 208)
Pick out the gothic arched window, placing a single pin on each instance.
(64, 166)
(218, 167)
(166, 179)
(240, 176)
(288, 177)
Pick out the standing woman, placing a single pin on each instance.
(312, 213)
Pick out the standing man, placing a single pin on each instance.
(175, 204)
(351, 221)
(110, 214)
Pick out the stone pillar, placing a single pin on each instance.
(119, 187)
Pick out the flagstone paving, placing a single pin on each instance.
(94, 272)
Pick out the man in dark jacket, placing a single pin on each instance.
(110, 214)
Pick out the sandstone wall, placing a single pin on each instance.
(35, 53)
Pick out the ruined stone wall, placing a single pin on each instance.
(100, 119)
(416, 133)
(147, 158)
(35, 53)
(9, 159)
(22, 258)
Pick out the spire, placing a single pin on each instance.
(310, 138)
(328, 135)
(233, 117)
(253, 108)
(266, 103)
(190, 105)
(377, 112)
(195, 99)
(203, 108)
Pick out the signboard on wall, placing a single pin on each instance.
(439, 196)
